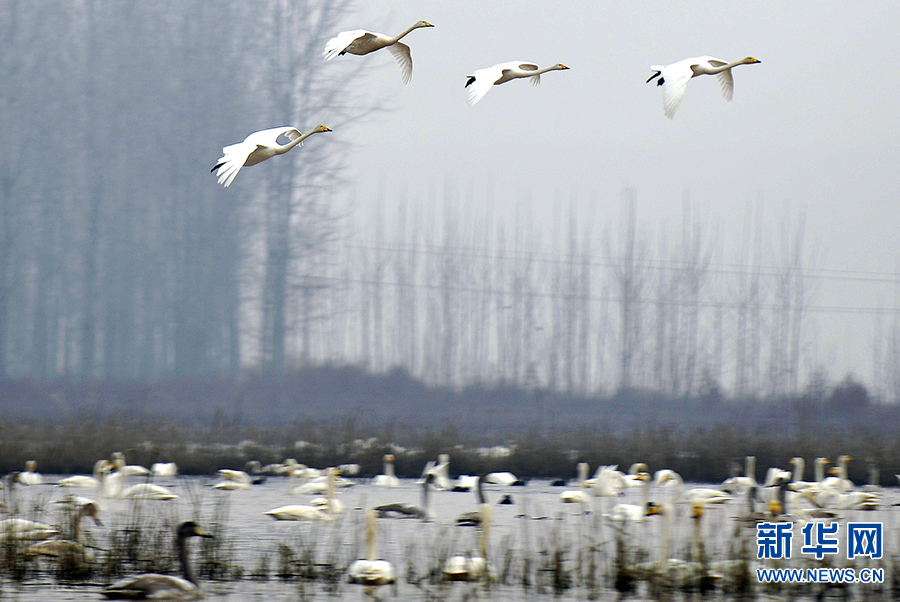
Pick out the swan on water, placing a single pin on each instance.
(360, 42)
(675, 77)
(164, 469)
(480, 82)
(440, 471)
(30, 476)
(404, 510)
(72, 548)
(315, 511)
(578, 496)
(472, 568)
(101, 469)
(707, 495)
(387, 479)
(24, 529)
(153, 585)
(258, 147)
(148, 491)
(129, 470)
(371, 571)
(330, 502)
(473, 518)
(738, 483)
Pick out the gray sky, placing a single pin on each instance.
(813, 127)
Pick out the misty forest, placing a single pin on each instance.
(133, 286)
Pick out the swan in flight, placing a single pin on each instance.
(360, 42)
(257, 147)
(482, 80)
(674, 78)
(371, 572)
(153, 585)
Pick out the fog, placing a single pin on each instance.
(568, 236)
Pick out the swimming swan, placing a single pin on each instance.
(472, 568)
(153, 585)
(387, 479)
(72, 548)
(482, 79)
(403, 510)
(371, 572)
(674, 78)
(360, 42)
(256, 148)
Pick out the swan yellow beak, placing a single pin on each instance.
(201, 533)
(563, 66)
(697, 510)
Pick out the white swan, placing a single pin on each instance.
(101, 468)
(578, 496)
(440, 471)
(258, 147)
(632, 512)
(149, 491)
(371, 571)
(164, 469)
(472, 568)
(387, 479)
(153, 585)
(131, 470)
(482, 79)
(360, 41)
(233, 479)
(322, 511)
(674, 78)
(743, 482)
(706, 495)
(23, 529)
(501, 478)
(31, 476)
(330, 502)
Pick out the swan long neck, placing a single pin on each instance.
(485, 529)
(479, 491)
(750, 467)
(400, 35)
(820, 469)
(184, 559)
(799, 468)
(721, 68)
(371, 553)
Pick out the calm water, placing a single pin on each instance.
(252, 540)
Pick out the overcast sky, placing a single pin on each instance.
(814, 127)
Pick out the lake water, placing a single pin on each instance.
(540, 548)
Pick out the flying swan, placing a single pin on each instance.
(257, 147)
(360, 42)
(674, 78)
(482, 80)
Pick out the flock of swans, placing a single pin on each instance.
(787, 497)
(264, 144)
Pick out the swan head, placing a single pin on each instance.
(560, 66)
(322, 128)
(422, 24)
(93, 510)
(750, 60)
(697, 509)
(775, 507)
(191, 529)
